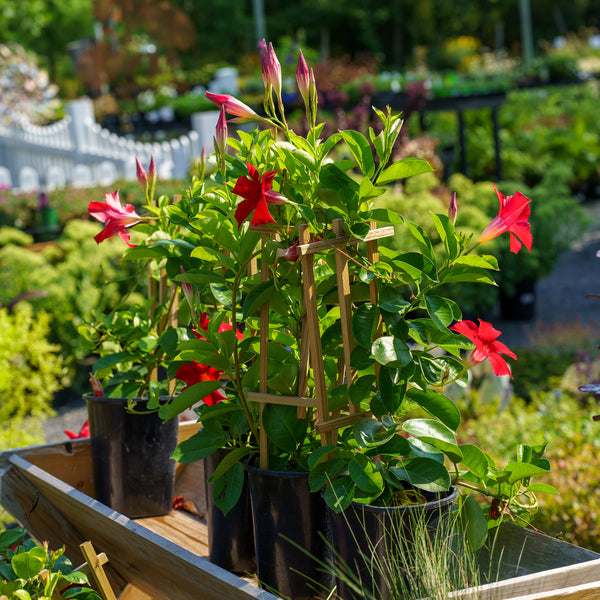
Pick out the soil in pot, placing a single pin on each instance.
(368, 542)
(230, 536)
(131, 457)
(290, 530)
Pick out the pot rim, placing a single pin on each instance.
(432, 504)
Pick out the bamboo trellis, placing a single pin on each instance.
(311, 354)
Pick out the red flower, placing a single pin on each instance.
(117, 218)
(257, 193)
(84, 432)
(486, 346)
(512, 217)
(194, 372)
(203, 324)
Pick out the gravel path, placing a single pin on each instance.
(560, 297)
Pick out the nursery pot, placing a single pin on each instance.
(131, 457)
(230, 536)
(367, 541)
(290, 528)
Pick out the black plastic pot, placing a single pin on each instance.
(290, 529)
(230, 536)
(366, 540)
(131, 457)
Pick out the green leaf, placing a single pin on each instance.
(364, 324)
(256, 297)
(323, 473)
(473, 523)
(485, 261)
(283, 427)
(229, 460)
(542, 488)
(468, 274)
(188, 398)
(362, 388)
(228, 489)
(340, 493)
(437, 434)
(199, 277)
(417, 266)
(391, 351)
(437, 405)
(425, 473)
(371, 432)
(519, 470)
(360, 358)
(391, 389)
(365, 475)
(441, 310)
(407, 167)
(391, 299)
(445, 229)
(361, 151)
(27, 565)
(202, 444)
(475, 460)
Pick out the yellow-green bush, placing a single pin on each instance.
(30, 373)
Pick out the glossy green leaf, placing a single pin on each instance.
(437, 405)
(188, 398)
(407, 167)
(340, 493)
(283, 427)
(520, 470)
(391, 389)
(391, 299)
(362, 388)
(445, 230)
(437, 434)
(391, 351)
(365, 475)
(202, 444)
(364, 324)
(425, 473)
(361, 151)
(542, 488)
(371, 432)
(229, 460)
(441, 310)
(256, 297)
(473, 523)
(228, 489)
(27, 565)
(474, 459)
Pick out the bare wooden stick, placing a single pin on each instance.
(97, 572)
(302, 401)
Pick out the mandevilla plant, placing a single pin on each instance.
(30, 572)
(239, 251)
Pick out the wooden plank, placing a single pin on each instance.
(132, 593)
(306, 248)
(587, 591)
(342, 421)
(150, 562)
(277, 399)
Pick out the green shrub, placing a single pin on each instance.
(12, 235)
(30, 373)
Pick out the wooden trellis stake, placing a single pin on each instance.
(311, 353)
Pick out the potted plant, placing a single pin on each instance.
(29, 571)
(330, 352)
(134, 372)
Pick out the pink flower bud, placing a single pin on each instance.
(453, 209)
(303, 77)
(221, 133)
(232, 105)
(142, 177)
(152, 169)
(274, 71)
(264, 60)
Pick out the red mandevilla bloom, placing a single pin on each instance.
(257, 193)
(194, 372)
(84, 432)
(116, 218)
(486, 346)
(512, 217)
(232, 105)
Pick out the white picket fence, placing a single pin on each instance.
(79, 152)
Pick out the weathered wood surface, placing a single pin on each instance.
(162, 557)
